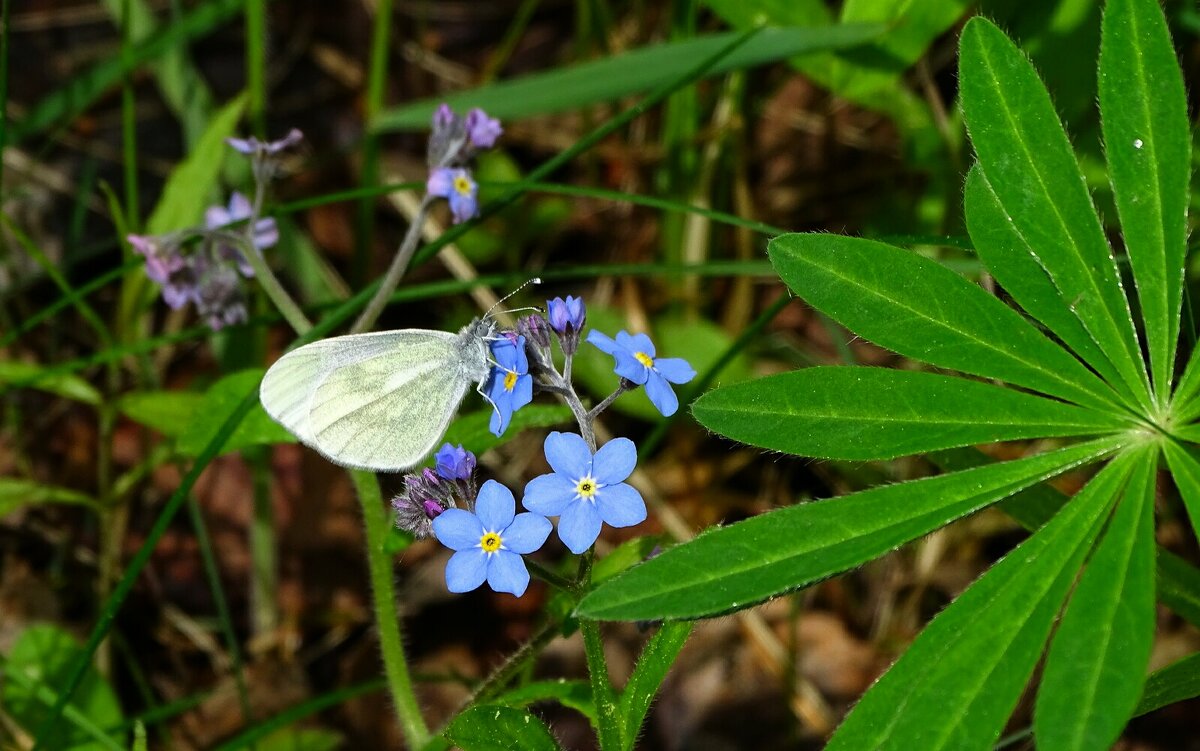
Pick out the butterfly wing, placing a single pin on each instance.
(375, 401)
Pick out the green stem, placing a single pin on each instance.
(129, 121)
(608, 713)
(279, 297)
(263, 549)
(513, 665)
(376, 84)
(551, 578)
(395, 271)
(387, 621)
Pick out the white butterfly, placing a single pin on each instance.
(378, 401)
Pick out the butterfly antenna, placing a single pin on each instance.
(535, 280)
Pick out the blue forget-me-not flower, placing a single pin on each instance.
(454, 462)
(509, 386)
(567, 318)
(636, 362)
(490, 542)
(586, 490)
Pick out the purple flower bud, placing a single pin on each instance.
(567, 318)
(454, 462)
(432, 509)
(535, 330)
(443, 117)
(481, 129)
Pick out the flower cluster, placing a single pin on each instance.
(453, 142)
(205, 265)
(586, 488)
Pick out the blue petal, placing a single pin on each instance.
(495, 506)
(505, 353)
(495, 384)
(520, 360)
(579, 526)
(601, 342)
(501, 414)
(458, 529)
(568, 455)
(661, 395)
(621, 505)
(522, 392)
(506, 572)
(641, 343)
(675, 369)
(614, 461)
(630, 367)
(548, 495)
(527, 533)
(466, 570)
(625, 341)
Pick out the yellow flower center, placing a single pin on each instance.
(644, 359)
(587, 487)
(510, 380)
(462, 185)
(490, 542)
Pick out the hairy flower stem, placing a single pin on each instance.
(395, 272)
(383, 596)
(551, 578)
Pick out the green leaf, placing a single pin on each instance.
(29, 375)
(1178, 681)
(1011, 261)
(80, 92)
(656, 659)
(1097, 661)
(16, 493)
(1028, 162)
(957, 684)
(301, 739)
(168, 412)
(575, 694)
(878, 413)
(496, 728)
(626, 74)
(1178, 582)
(1147, 137)
(221, 400)
(920, 309)
(471, 430)
(1185, 470)
(188, 189)
(43, 654)
(745, 563)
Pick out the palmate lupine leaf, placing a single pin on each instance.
(1028, 161)
(920, 309)
(1096, 665)
(1011, 261)
(860, 413)
(956, 685)
(1147, 141)
(745, 563)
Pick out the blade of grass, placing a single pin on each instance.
(299, 712)
(640, 70)
(129, 122)
(213, 574)
(256, 64)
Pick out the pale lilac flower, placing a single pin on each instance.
(456, 186)
(266, 233)
(482, 130)
(253, 147)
